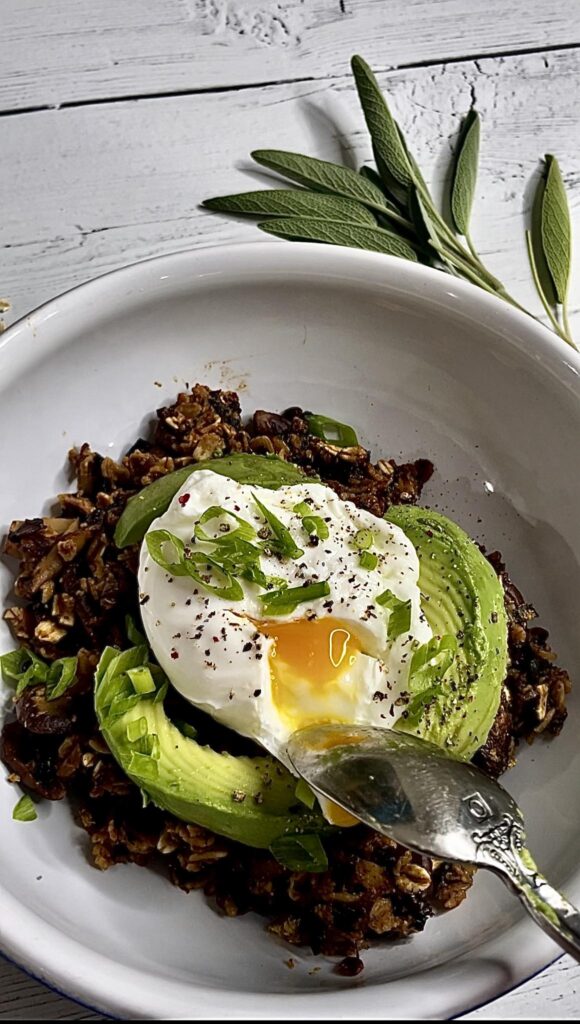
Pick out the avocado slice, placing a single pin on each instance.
(258, 470)
(455, 683)
(250, 799)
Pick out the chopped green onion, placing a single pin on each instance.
(24, 810)
(305, 794)
(279, 602)
(143, 766)
(161, 693)
(311, 524)
(142, 680)
(363, 539)
(244, 531)
(120, 705)
(157, 543)
(282, 542)
(186, 563)
(433, 659)
(368, 560)
(136, 729)
(25, 668)
(231, 589)
(400, 617)
(300, 852)
(134, 635)
(186, 729)
(331, 430)
(61, 675)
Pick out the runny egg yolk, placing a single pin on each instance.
(311, 683)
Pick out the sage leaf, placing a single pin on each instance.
(465, 173)
(321, 175)
(356, 236)
(383, 128)
(540, 270)
(556, 231)
(284, 202)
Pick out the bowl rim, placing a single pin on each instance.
(42, 949)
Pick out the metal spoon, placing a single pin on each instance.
(414, 793)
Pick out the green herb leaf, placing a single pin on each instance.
(400, 617)
(331, 430)
(382, 126)
(556, 231)
(24, 810)
(300, 852)
(23, 668)
(62, 674)
(465, 173)
(355, 236)
(283, 202)
(282, 540)
(281, 602)
(321, 175)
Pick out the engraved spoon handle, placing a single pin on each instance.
(547, 906)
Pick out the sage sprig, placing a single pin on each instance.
(389, 208)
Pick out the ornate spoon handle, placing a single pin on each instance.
(502, 849)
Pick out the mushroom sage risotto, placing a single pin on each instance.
(184, 610)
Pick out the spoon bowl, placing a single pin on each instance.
(413, 792)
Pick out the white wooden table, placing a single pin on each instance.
(119, 116)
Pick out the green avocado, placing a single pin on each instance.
(250, 799)
(455, 680)
(258, 470)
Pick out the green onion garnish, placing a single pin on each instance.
(168, 551)
(300, 852)
(400, 617)
(311, 524)
(279, 602)
(136, 729)
(363, 539)
(143, 766)
(200, 566)
(134, 634)
(244, 530)
(142, 680)
(282, 541)
(331, 430)
(25, 668)
(24, 810)
(368, 560)
(305, 794)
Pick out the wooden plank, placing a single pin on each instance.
(105, 185)
(552, 995)
(22, 998)
(76, 50)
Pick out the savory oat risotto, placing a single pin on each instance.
(187, 608)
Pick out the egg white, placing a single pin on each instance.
(210, 648)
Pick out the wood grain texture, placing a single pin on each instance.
(105, 185)
(77, 50)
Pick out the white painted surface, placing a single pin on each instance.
(101, 184)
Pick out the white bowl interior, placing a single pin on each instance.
(421, 368)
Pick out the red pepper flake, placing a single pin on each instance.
(174, 654)
(183, 499)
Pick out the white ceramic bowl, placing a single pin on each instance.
(422, 365)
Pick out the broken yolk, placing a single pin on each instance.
(309, 668)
